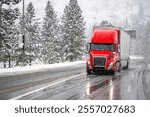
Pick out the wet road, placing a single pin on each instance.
(73, 84)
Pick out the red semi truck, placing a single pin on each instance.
(108, 50)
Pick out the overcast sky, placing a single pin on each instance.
(94, 11)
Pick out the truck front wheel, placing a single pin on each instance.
(118, 66)
(88, 72)
(112, 72)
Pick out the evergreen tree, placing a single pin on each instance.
(32, 36)
(17, 47)
(8, 15)
(126, 24)
(141, 12)
(105, 23)
(50, 36)
(73, 32)
(14, 45)
(145, 43)
(139, 23)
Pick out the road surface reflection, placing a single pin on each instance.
(108, 88)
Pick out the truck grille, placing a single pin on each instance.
(99, 61)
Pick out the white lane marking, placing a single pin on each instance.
(42, 88)
(129, 88)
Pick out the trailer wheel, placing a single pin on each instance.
(127, 66)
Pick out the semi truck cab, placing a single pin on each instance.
(104, 54)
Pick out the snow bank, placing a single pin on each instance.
(43, 67)
(136, 57)
(35, 68)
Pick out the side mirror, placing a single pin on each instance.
(88, 47)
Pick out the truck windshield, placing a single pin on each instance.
(107, 47)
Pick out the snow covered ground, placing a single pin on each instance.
(35, 68)
(42, 67)
(136, 57)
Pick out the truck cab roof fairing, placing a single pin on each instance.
(105, 36)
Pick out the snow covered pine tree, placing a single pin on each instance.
(73, 32)
(50, 36)
(8, 15)
(32, 35)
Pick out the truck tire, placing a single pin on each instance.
(119, 66)
(112, 72)
(88, 72)
(127, 66)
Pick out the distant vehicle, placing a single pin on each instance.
(108, 50)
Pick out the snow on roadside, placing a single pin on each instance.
(136, 57)
(43, 67)
(35, 68)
